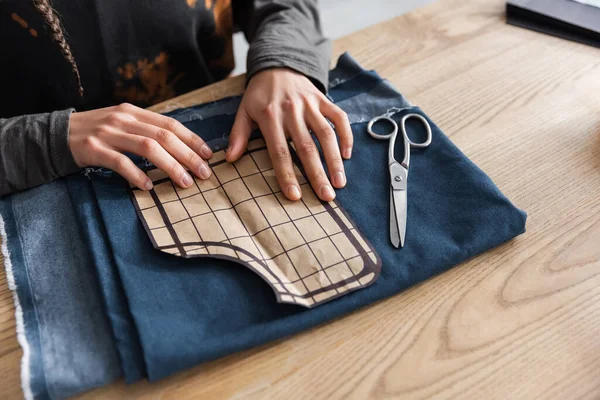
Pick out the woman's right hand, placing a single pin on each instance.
(98, 138)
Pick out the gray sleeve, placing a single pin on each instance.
(285, 33)
(34, 149)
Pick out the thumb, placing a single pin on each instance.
(240, 133)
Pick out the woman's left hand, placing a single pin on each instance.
(284, 103)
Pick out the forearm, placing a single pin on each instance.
(34, 149)
(286, 33)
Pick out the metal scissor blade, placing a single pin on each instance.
(394, 235)
(398, 217)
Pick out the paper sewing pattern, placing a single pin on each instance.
(308, 251)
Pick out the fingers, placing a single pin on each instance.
(153, 151)
(123, 166)
(240, 132)
(309, 156)
(172, 144)
(341, 123)
(279, 152)
(329, 144)
(188, 137)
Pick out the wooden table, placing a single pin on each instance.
(520, 321)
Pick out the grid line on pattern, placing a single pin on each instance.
(261, 210)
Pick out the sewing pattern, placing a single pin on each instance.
(308, 251)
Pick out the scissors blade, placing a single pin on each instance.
(394, 235)
(398, 212)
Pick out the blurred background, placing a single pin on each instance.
(339, 18)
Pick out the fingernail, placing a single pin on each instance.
(203, 171)
(148, 185)
(293, 192)
(186, 179)
(339, 179)
(327, 193)
(206, 151)
(347, 152)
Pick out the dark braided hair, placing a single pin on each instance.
(51, 19)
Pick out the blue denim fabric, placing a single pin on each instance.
(102, 262)
(165, 313)
(70, 342)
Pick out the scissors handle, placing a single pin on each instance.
(380, 136)
(408, 144)
(388, 136)
(420, 145)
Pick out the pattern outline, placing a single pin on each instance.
(226, 249)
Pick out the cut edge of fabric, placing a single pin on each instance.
(21, 336)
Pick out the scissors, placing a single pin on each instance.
(399, 171)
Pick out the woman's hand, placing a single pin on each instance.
(285, 104)
(98, 138)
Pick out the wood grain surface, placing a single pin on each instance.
(519, 322)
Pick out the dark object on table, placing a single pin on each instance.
(567, 19)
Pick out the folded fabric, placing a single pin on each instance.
(150, 313)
